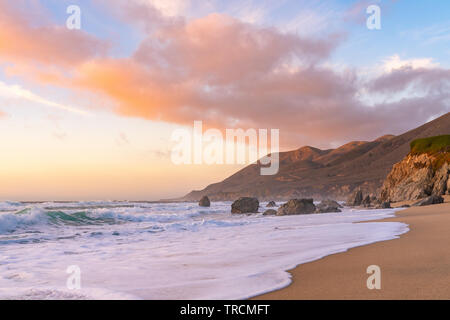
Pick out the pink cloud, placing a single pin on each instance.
(228, 74)
(435, 79)
(42, 47)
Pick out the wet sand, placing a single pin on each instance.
(415, 266)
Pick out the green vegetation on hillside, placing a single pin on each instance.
(431, 145)
(438, 146)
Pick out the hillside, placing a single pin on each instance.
(311, 172)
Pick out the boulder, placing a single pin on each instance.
(245, 205)
(328, 206)
(270, 212)
(204, 202)
(355, 199)
(271, 204)
(297, 206)
(429, 201)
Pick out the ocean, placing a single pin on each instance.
(142, 250)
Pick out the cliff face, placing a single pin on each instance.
(414, 178)
(423, 172)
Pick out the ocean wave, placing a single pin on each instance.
(74, 214)
(170, 251)
(9, 222)
(10, 205)
(32, 216)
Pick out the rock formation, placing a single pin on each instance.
(270, 212)
(309, 172)
(271, 204)
(367, 202)
(297, 206)
(328, 206)
(448, 186)
(429, 201)
(422, 173)
(384, 205)
(204, 202)
(245, 205)
(355, 199)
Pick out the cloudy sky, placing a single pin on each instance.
(89, 113)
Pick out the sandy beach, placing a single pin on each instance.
(415, 266)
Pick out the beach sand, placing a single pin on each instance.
(415, 266)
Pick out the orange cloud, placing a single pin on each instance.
(209, 68)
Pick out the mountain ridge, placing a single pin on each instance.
(334, 173)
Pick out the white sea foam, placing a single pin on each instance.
(168, 251)
(9, 205)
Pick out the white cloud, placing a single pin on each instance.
(392, 63)
(395, 62)
(17, 92)
(250, 11)
(387, 67)
(168, 8)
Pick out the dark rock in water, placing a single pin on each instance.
(355, 199)
(115, 233)
(297, 206)
(271, 204)
(204, 202)
(245, 205)
(328, 206)
(429, 201)
(270, 212)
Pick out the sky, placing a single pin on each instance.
(89, 113)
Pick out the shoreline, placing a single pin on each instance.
(414, 266)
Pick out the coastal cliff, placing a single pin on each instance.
(423, 172)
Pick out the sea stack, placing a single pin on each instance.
(204, 202)
(355, 199)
